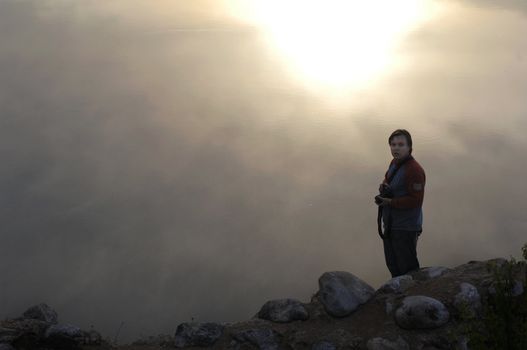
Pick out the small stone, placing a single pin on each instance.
(421, 312)
(66, 330)
(341, 292)
(283, 310)
(64, 336)
(386, 344)
(41, 312)
(397, 284)
(197, 334)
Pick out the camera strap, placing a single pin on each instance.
(386, 234)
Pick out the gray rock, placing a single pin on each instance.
(64, 336)
(397, 284)
(264, 338)
(6, 346)
(41, 312)
(386, 344)
(197, 334)
(341, 292)
(66, 330)
(283, 310)
(323, 345)
(421, 312)
(468, 300)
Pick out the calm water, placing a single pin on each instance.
(162, 164)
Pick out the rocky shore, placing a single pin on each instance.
(424, 310)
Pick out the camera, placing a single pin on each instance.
(385, 191)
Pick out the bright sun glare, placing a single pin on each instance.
(335, 43)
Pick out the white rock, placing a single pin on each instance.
(341, 292)
(421, 312)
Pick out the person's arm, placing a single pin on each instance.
(415, 186)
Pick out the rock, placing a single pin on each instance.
(385, 344)
(430, 272)
(6, 346)
(197, 334)
(264, 338)
(323, 345)
(64, 336)
(283, 310)
(341, 292)
(468, 300)
(41, 312)
(421, 312)
(397, 284)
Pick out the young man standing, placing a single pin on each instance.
(401, 199)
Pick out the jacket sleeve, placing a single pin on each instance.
(415, 186)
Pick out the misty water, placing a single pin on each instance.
(161, 164)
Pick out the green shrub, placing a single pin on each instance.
(503, 325)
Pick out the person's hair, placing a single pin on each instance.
(402, 132)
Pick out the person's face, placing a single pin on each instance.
(399, 147)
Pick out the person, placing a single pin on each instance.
(400, 204)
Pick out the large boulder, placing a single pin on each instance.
(41, 312)
(341, 292)
(263, 338)
(197, 334)
(421, 312)
(283, 310)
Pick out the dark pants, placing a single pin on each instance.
(400, 252)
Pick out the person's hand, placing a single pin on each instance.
(385, 201)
